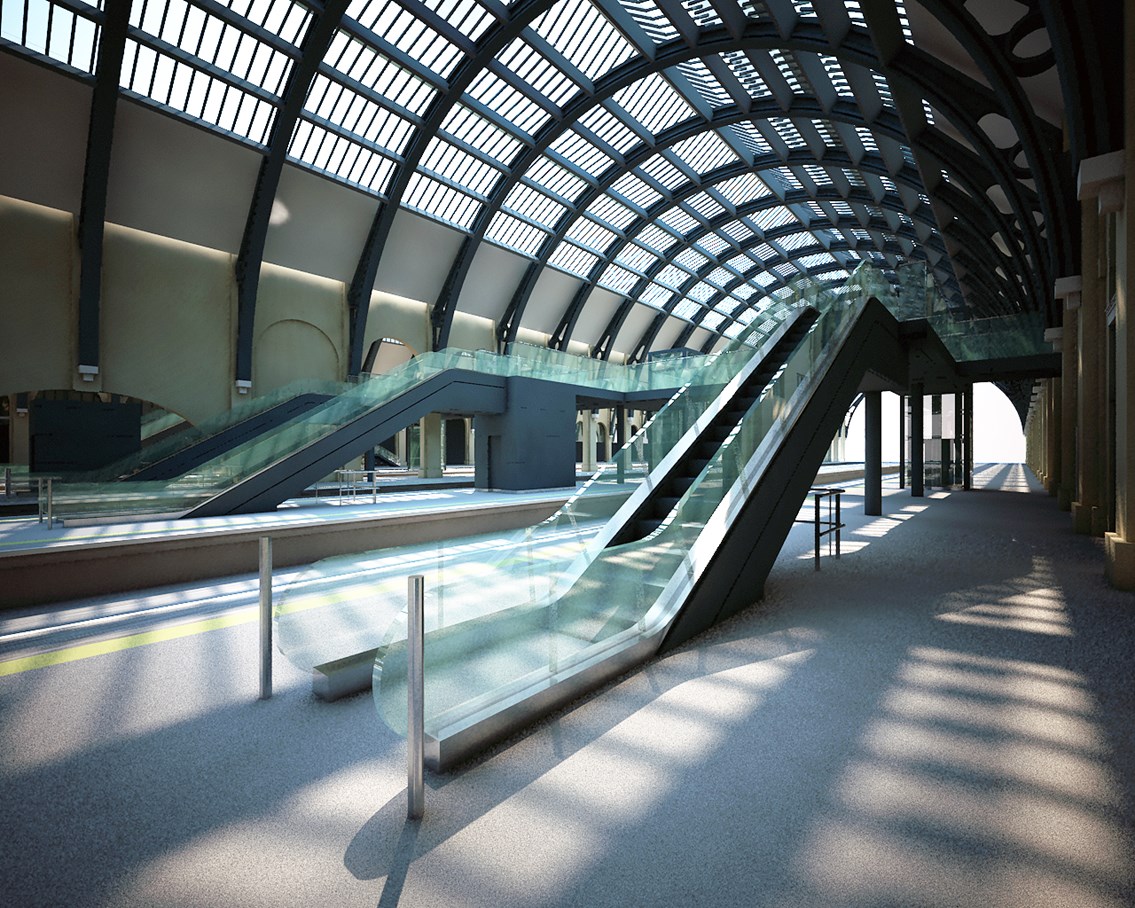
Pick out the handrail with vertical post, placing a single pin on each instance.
(265, 617)
(415, 698)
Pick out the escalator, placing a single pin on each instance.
(195, 453)
(290, 453)
(691, 545)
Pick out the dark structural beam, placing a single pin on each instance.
(320, 31)
(521, 15)
(96, 178)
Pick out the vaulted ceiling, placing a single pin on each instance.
(694, 157)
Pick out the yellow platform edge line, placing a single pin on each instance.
(117, 644)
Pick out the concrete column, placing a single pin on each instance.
(1119, 546)
(959, 435)
(1052, 438)
(1068, 289)
(873, 454)
(19, 432)
(429, 446)
(917, 444)
(1099, 180)
(619, 429)
(902, 441)
(587, 464)
(967, 439)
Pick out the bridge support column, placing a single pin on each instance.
(873, 454)
(917, 443)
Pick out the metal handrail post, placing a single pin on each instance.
(816, 522)
(415, 698)
(265, 617)
(838, 522)
(50, 502)
(39, 499)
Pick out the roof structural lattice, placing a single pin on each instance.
(693, 157)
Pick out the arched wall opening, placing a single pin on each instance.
(998, 436)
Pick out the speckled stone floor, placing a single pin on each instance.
(943, 717)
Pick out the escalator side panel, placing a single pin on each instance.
(455, 390)
(194, 455)
(735, 577)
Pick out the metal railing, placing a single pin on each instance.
(829, 526)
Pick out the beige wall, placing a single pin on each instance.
(301, 329)
(37, 289)
(166, 322)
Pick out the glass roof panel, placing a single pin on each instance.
(610, 129)
(512, 104)
(672, 276)
(774, 217)
(556, 179)
(746, 188)
(815, 260)
(635, 258)
(280, 17)
(751, 137)
(69, 36)
(470, 17)
(679, 220)
(534, 205)
(611, 212)
(573, 259)
(474, 130)
(583, 35)
(719, 277)
(618, 279)
(189, 90)
(654, 103)
(574, 148)
(655, 238)
(690, 258)
(655, 295)
(447, 160)
(708, 86)
(651, 20)
(383, 76)
(712, 321)
(795, 241)
(515, 234)
(686, 309)
(594, 236)
(702, 292)
(706, 206)
(663, 171)
(444, 202)
(713, 243)
(407, 32)
(631, 187)
(705, 152)
(538, 72)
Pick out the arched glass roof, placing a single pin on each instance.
(691, 156)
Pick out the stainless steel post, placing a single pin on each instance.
(415, 698)
(265, 617)
(816, 503)
(39, 499)
(50, 503)
(7, 482)
(838, 524)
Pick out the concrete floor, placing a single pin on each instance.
(943, 717)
